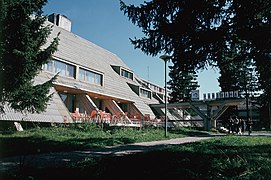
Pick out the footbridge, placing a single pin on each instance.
(208, 110)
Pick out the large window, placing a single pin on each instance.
(126, 74)
(63, 68)
(90, 76)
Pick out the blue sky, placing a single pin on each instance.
(102, 23)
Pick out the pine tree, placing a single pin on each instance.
(181, 29)
(23, 54)
(252, 24)
(198, 33)
(222, 33)
(2, 14)
(181, 84)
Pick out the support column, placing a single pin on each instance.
(208, 119)
(212, 119)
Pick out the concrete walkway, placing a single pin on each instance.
(62, 159)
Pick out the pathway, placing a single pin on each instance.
(61, 159)
(65, 158)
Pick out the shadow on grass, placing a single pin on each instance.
(215, 159)
(15, 146)
(166, 164)
(161, 165)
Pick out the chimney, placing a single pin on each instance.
(61, 21)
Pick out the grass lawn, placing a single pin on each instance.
(78, 137)
(228, 157)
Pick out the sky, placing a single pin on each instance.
(102, 23)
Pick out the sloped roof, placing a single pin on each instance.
(81, 52)
(84, 53)
(56, 112)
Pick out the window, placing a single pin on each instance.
(145, 93)
(161, 90)
(50, 66)
(70, 71)
(63, 68)
(126, 74)
(98, 79)
(90, 76)
(60, 67)
(81, 74)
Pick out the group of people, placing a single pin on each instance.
(238, 126)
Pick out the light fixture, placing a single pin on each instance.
(165, 58)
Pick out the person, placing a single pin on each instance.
(236, 125)
(249, 126)
(98, 115)
(242, 126)
(230, 125)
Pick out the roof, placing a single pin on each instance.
(56, 112)
(79, 51)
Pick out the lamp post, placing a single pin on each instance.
(165, 58)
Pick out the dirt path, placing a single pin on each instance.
(65, 158)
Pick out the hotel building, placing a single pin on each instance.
(90, 78)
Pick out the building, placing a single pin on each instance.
(90, 78)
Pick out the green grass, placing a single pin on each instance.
(81, 136)
(227, 157)
(231, 157)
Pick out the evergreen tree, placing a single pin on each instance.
(225, 33)
(251, 23)
(181, 29)
(2, 14)
(237, 73)
(23, 54)
(181, 84)
(199, 32)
